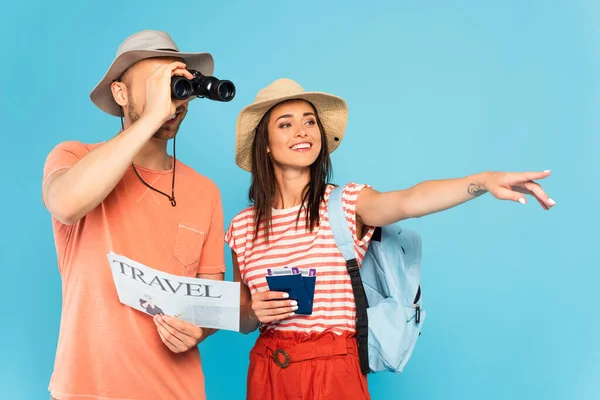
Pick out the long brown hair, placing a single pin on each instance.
(262, 188)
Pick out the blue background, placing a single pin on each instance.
(435, 89)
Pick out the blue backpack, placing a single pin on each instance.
(386, 290)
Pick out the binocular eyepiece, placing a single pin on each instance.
(201, 86)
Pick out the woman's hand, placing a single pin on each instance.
(269, 306)
(513, 185)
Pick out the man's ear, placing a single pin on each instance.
(120, 94)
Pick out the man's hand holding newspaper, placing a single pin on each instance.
(185, 310)
(180, 336)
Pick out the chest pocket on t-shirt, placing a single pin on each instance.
(188, 247)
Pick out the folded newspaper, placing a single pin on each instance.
(203, 302)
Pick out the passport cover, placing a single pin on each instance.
(295, 286)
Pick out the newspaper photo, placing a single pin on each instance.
(203, 302)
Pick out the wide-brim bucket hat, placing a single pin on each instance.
(137, 47)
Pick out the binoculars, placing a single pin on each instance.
(201, 86)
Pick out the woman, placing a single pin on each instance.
(284, 139)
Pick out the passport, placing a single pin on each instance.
(300, 288)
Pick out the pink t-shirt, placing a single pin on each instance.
(107, 350)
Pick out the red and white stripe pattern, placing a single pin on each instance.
(333, 305)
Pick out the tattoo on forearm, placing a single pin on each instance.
(475, 190)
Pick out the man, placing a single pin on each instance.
(128, 196)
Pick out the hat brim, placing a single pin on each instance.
(332, 111)
(102, 96)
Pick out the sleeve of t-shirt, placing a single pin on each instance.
(234, 237)
(229, 238)
(62, 157)
(350, 194)
(212, 259)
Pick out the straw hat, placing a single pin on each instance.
(137, 47)
(332, 111)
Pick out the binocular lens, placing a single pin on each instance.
(226, 90)
(181, 87)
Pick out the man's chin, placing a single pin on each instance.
(166, 133)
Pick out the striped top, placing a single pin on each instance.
(334, 309)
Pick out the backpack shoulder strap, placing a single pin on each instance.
(339, 225)
(343, 239)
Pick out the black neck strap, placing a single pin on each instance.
(172, 196)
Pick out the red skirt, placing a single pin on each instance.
(287, 365)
